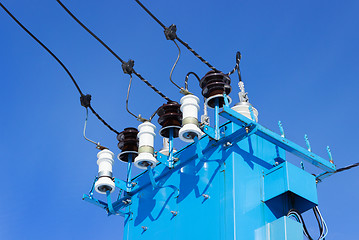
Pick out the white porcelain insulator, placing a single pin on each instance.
(243, 108)
(105, 162)
(146, 135)
(189, 109)
(143, 160)
(190, 106)
(188, 132)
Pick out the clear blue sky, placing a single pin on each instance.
(300, 65)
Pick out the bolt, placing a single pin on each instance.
(144, 228)
(206, 196)
(174, 213)
(247, 129)
(227, 144)
(276, 163)
(127, 201)
(133, 184)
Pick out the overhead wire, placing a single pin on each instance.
(112, 52)
(347, 167)
(236, 67)
(176, 37)
(62, 65)
(171, 34)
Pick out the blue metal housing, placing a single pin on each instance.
(235, 184)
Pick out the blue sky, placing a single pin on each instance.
(300, 65)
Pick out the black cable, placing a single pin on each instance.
(111, 51)
(236, 67)
(151, 86)
(102, 120)
(90, 32)
(316, 214)
(347, 167)
(176, 37)
(196, 54)
(186, 79)
(43, 45)
(62, 65)
(302, 221)
(149, 13)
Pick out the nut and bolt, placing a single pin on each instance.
(206, 196)
(127, 201)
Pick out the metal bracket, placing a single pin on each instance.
(164, 159)
(152, 177)
(107, 206)
(278, 140)
(209, 131)
(199, 149)
(121, 184)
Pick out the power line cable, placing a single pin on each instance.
(170, 33)
(129, 68)
(347, 167)
(85, 99)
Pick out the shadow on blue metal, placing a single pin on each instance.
(232, 185)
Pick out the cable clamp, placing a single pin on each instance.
(185, 91)
(85, 100)
(127, 67)
(170, 32)
(141, 119)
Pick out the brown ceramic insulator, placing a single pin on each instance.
(214, 83)
(169, 114)
(127, 142)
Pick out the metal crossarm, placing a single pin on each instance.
(278, 140)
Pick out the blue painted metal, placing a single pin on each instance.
(152, 178)
(216, 118)
(170, 146)
(323, 175)
(278, 140)
(281, 129)
(307, 142)
(95, 201)
(329, 153)
(129, 169)
(120, 184)
(283, 229)
(89, 197)
(233, 183)
(209, 131)
(283, 189)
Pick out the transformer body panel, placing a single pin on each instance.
(218, 193)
